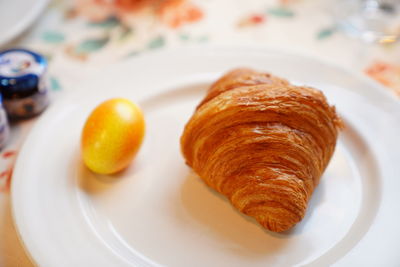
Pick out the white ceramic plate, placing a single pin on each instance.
(17, 15)
(158, 212)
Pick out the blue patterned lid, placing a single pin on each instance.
(21, 71)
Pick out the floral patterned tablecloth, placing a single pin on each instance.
(80, 37)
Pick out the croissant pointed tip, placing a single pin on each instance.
(276, 227)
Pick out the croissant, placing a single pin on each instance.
(263, 143)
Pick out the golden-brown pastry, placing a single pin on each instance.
(263, 143)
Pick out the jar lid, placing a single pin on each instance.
(21, 71)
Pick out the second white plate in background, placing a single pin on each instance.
(17, 15)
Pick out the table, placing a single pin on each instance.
(79, 38)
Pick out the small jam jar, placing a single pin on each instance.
(4, 127)
(23, 83)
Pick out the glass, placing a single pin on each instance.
(370, 20)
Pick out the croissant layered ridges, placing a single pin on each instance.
(263, 143)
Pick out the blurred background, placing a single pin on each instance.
(82, 36)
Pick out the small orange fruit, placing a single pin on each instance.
(112, 135)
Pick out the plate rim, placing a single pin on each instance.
(25, 22)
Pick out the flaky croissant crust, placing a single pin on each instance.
(263, 143)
